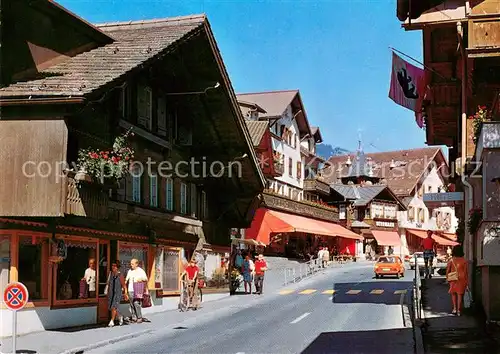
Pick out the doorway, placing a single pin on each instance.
(102, 277)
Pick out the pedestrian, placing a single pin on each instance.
(89, 279)
(260, 269)
(115, 287)
(136, 280)
(428, 246)
(326, 257)
(247, 270)
(458, 278)
(238, 260)
(390, 251)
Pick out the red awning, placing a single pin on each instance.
(267, 221)
(439, 240)
(386, 238)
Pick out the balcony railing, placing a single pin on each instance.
(315, 184)
(86, 199)
(308, 209)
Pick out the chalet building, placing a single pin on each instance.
(410, 174)
(366, 205)
(294, 216)
(461, 110)
(68, 85)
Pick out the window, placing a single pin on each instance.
(144, 106)
(429, 189)
(299, 170)
(368, 213)
(4, 260)
(153, 191)
(193, 194)
(124, 101)
(439, 219)
(169, 190)
(290, 166)
(183, 198)
(289, 192)
(136, 189)
(411, 214)
(81, 252)
(128, 251)
(161, 113)
(342, 214)
(377, 211)
(421, 215)
(32, 269)
(204, 211)
(167, 269)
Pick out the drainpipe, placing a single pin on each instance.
(468, 196)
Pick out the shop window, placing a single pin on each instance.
(4, 261)
(183, 198)
(72, 269)
(169, 190)
(33, 253)
(128, 251)
(153, 191)
(215, 270)
(167, 269)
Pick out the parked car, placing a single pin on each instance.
(389, 265)
(420, 261)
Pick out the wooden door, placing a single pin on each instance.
(102, 277)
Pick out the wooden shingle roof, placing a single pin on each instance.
(135, 43)
(257, 130)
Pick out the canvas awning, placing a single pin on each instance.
(386, 238)
(439, 240)
(267, 222)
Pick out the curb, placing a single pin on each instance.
(417, 330)
(106, 342)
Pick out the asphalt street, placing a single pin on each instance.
(345, 310)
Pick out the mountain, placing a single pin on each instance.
(326, 150)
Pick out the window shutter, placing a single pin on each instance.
(162, 116)
(203, 205)
(193, 196)
(121, 190)
(144, 105)
(153, 191)
(129, 188)
(136, 189)
(170, 193)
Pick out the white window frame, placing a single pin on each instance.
(183, 198)
(169, 194)
(153, 191)
(136, 189)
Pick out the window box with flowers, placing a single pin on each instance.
(106, 166)
(475, 218)
(482, 115)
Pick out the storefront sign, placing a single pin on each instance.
(385, 223)
(451, 197)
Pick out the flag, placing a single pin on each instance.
(407, 84)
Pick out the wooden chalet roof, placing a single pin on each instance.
(257, 130)
(402, 179)
(135, 43)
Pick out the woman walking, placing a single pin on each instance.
(458, 278)
(115, 288)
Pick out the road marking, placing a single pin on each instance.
(307, 292)
(329, 292)
(284, 292)
(399, 292)
(353, 292)
(300, 318)
(377, 292)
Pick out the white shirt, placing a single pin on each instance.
(135, 275)
(90, 277)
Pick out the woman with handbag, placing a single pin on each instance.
(458, 278)
(115, 287)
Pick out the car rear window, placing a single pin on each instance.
(387, 260)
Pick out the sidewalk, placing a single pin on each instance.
(447, 333)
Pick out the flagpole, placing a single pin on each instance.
(419, 62)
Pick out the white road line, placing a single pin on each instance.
(300, 318)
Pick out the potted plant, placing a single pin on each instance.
(106, 165)
(475, 217)
(482, 115)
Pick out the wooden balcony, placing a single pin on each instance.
(316, 185)
(86, 199)
(303, 208)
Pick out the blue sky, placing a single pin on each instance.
(335, 52)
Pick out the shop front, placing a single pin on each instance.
(52, 266)
(415, 238)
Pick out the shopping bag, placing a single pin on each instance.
(83, 289)
(468, 301)
(139, 290)
(146, 301)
